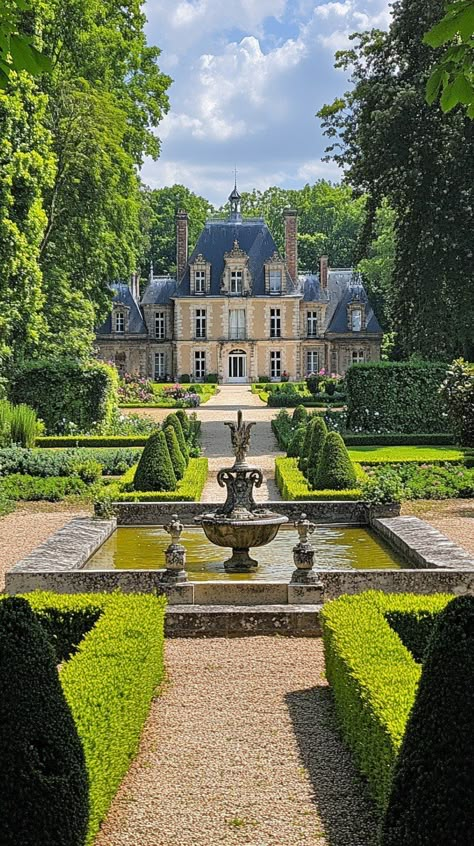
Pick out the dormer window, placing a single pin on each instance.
(119, 321)
(275, 277)
(275, 281)
(236, 282)
(236, 279)
(200, 275)
(200, 282)
(356, 319)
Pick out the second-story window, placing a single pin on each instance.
(159, 325)
(200, 281)
(200, 323)
(275, 281)
(237, 324)
(275, 323)
(312, 324)
(119, 321)
(236, 282)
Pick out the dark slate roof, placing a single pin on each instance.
(123, 296)
(218, 237)
(340, 292)
(159, 291)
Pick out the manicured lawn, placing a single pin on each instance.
(398, 454)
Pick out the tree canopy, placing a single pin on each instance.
(396, 147)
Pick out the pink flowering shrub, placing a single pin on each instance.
(135, 388)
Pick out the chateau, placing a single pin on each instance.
(239, 310)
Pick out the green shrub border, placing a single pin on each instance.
(373, 676)
(109, 682)
(399, 439)
(188, 489)
(293, 485)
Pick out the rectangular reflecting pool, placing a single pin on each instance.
(336, 547)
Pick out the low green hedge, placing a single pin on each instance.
(293, 485)
(109, 681)
(397, 439)
(373, 676)
(188, 489)
(58, 441)
(415, 454)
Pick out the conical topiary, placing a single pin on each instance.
(155, 471)
(432, 797)
(296, 443)
(184, 420)
(318, 439)
(43, 777)
(300, 415)
(304, 455)
(177, 461)
(335, 469)
(172, 420)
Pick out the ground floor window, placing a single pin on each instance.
(160, 365)
(312, 361)
(120, 361)
(199, 364)
(358, 356)
(275, 364)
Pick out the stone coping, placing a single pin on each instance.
(351, 512)
(421, 544)
(69, 548)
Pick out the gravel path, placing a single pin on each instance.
(241, 748)
(27, 527)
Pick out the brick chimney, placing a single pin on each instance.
(323, 271)
(181, 243)
(291, 243)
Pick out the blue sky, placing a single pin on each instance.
(249, 76)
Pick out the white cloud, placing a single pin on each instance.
(314, 169)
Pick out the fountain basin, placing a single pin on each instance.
(241, 535)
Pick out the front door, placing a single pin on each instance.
(237, 366)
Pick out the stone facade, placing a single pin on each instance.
(241, 311)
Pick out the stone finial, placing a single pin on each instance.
(304, 527)
(174, 528)
(303, 552)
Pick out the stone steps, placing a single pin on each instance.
(242, 620)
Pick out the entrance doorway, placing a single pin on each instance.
(237, 366)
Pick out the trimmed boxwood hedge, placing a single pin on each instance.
(396, 397)
(373, 677)
(109, 682)
(85, 394)
(43, 777)
(432, 796)
(294, 486)
(61, 441)
(154, 470)
(335, 469)
(188, 489)
(399, 439)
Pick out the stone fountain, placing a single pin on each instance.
(240, 523)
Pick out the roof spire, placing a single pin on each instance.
(235, 200)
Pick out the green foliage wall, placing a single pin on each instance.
(67, 391)
(396, 397)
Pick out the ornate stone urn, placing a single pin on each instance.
(240, 523)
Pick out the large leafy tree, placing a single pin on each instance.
(394, 145)
(159, 207)
(377, 266)
(17, 49)
(330, 219)
(453, 76)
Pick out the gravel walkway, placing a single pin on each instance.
(241, 748)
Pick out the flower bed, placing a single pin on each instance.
(373, 675)
(110, 676)
(174, 396)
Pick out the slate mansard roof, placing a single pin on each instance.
(255, 239)
(218, 237)
(343, 288)
(123, 296)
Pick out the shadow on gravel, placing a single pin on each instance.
(347, 813)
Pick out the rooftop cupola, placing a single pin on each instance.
(235, 201)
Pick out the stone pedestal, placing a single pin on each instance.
(175, 558)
